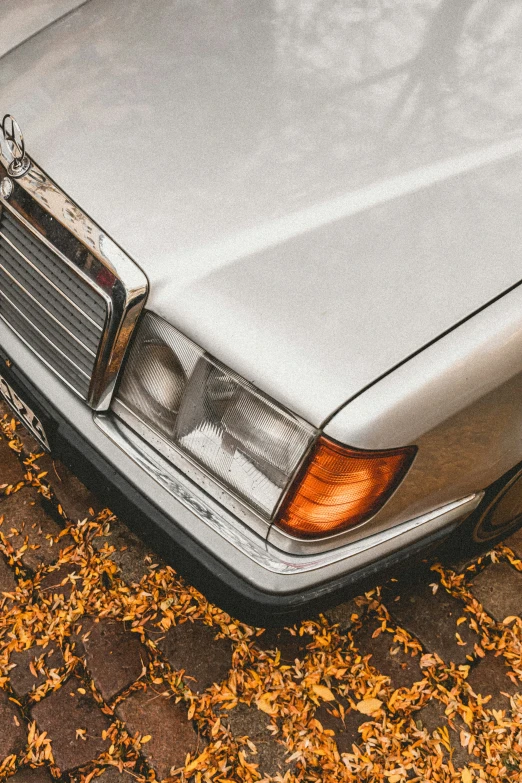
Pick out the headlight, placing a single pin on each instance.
(246, 443)
(238, 435)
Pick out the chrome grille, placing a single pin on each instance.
(58, 314)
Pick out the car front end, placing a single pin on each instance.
(285, 389)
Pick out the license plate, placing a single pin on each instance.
(24, 413)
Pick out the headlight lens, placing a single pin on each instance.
(159, 366)
(240, 436)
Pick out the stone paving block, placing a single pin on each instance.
(499, 589)
(130, 552)
(11, 471)
(183, 646)
(172, 735)
(514, 542)
(387, 656)
(346, 731)
(7, 578)
(271, 755)
(30, 667)
(32, 775)
(24, 514)
(13, 736)
(61, 714)
(289, 645)
(61, 581)
(73, 496)
(342, 614)
(432, 618)
(432, 717)
(115, 657)
(490, 678)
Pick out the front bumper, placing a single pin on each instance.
(236, 568)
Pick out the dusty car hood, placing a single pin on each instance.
(314, 194)
(19, 21)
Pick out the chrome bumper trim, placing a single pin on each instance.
(257, 549)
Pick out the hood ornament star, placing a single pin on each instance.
(14, 145)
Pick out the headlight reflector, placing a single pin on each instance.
(159, 366)
(238, 435)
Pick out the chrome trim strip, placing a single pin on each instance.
(45, 310)
(446, 515)
(192, 469)
(43, 336)
(58, 222)
(255, 548)
(48, 280)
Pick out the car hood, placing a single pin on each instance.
(314, 193)
(19, 21)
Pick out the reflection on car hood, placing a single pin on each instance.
(19, 21)
(314, 192)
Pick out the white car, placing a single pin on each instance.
(260, 273)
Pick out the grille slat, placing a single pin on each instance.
(53, 267)
(45, 307)
(45, 325)
(48, 285)
(54, 310)
(42, 346)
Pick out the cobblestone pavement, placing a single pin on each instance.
(112, 666)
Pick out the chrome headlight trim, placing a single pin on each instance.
(125, 420)
(237, 443)
(39, 204)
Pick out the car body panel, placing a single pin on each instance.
(312, 214)
(19, 21)
(187, 507)
(458, 401)
(339, 224)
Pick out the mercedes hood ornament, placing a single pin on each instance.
(12, 141)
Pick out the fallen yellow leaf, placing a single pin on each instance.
(323, 692)
(264, 704)
(466, 776)
(193, 764)
(369, 706)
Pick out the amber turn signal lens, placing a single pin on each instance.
(340, 487)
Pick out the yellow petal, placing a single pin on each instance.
(323, 692)
(192, 766)
(264, 705)
(369, 706)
